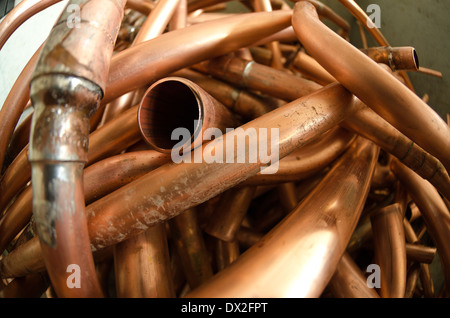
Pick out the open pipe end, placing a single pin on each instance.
(167, 105)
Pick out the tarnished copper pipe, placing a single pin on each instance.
(370, 83)
(348, 281)
(390, 250)
(434, 211)
(397, 58)
(65, 92)
(312, 239)
(316, 113)
(177, 103)
(142, 266)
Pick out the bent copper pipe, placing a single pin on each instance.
(65, 93)
(186, 185)
(390, 251)
(397, 58)
(312, 239)
(434, 211)
(177, 103)
(142, 266)
(348, 281)
(376, 88)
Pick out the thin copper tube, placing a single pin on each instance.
(363, 18)
(175, 102)
(411, 282)
(179, 17)
(429, 71)
(390, 250)
(143, 64)
(142, 266)
(316, 113)
(194, 5)
(312, 239)
(191, 247)
(434, 211)
(232, 208)
(348, 281)
(258, 77)
(144, 7)
(376, 88)
(397, 58)
(19, 14)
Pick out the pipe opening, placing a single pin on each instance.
(166, 106)
(416, 59)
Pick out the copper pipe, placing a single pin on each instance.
(316, 113)
(194, 5)
(65, 92)
(285, 35)
(30, 286)
(375, 87)
(431, 72)
(191, 247)
(144, 7)
(308, 160)
(309, 67)
(116, 107)
(411, 282)
(287, 193)
(312, 239)
(225, 253)
(143, 63)
(348, 281)
(179, 17)
(371, 126)
(232, 207)
(397, 58)
(142, 266)
(434, 212)
(363, 18)
(177, 103)
(390, 250)
(258, 77)
(247, 237)
(19, 14)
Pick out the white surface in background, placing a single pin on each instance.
(23, 43)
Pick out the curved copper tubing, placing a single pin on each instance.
(175, 102)
(116, 107)
(371, 126)
(348, 281)
(363, 18)
(258, 77)
(65, 92)
(308, 160)
(191, 247)
(316, 114)
(397, 58)
(144, 63)
(19, 14)
(232, 207)
(375, 87)
(311, 240)
(100, 179)
(242, 102)
(434, 211)
(390, 251)
(142, 266)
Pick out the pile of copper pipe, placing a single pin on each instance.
(355, 190)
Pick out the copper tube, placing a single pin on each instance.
(288, 196)
(240, 101)
(371, 126)
(191, 247)
(179, 17)
(247, 237)
(431, 72)
(308, 160)
(19, 139)
(375, 87)
(258, 77)
(362, 34)
(309, 67)
(316, 113)
(225, 253)
(285, 35)
(312, 239)
(65, 92)
(116, 107)
(411, 281)
(143, 63)
(19, 14)
(194, 5)
(30, 286)
(348, 281)
(142, 266)
(176, 102)
(434, 212)
(390, 251)
(363, 18)
(413, 212)
(232, 207)
(397, 58)
(144, 7)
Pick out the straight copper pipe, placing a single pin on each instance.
(299, 256)
(390, 250)
(370, 83)
(397, 58)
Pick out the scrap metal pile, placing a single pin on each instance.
(177, 150)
